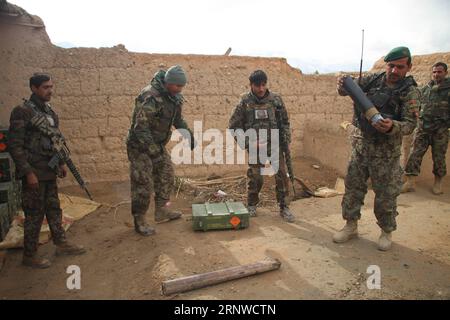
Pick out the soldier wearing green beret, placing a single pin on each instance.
(432, 129)
(157, 109)
(376, 148)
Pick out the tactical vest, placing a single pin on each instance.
(261, 115)
(434, 112)
(37, 143)
(387, 101)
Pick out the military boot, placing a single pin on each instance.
(141, 226)
(287, 215)
(349, 231)
(252, 211)
(69, 249)
(409, 185)
(164, 214)
(35, 262)
(385, 241)
(437, 187)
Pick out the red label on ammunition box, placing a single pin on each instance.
(235, 221)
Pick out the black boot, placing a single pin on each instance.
(141, 226)
(163, 213)
(35, 262)
(286, 214)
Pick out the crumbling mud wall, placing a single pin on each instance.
(95, 91)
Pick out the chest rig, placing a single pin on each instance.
(36, 141)
(388, 102)
(261, 114)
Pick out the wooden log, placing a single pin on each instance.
(210, 278)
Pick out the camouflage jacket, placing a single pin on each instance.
(154, 114)
(435, 106)
(256, 113)
(30, 149)
(400, 103)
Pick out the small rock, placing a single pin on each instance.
(315, 166)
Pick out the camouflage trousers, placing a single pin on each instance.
(256, 181)
(438, 140)
(37, 204)
(147, 176)
(385, 174)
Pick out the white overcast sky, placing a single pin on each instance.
(323, 35)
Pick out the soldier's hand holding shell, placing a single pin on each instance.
(340, 85)
(384, 125)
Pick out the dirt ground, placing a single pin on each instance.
(120, 264)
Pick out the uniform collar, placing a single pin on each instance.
(260, 100)
(38, 102)
(397, 85)
(157, 84)
(433, 83)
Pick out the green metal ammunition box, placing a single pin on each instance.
(219, 216)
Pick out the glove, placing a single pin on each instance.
(188, 135)
(193, 143)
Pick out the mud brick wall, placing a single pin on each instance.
(95, 91)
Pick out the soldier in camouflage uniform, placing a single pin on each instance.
(32, 151)
(157, 109)
(376, 148)
(432, 129)
(258, 109)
